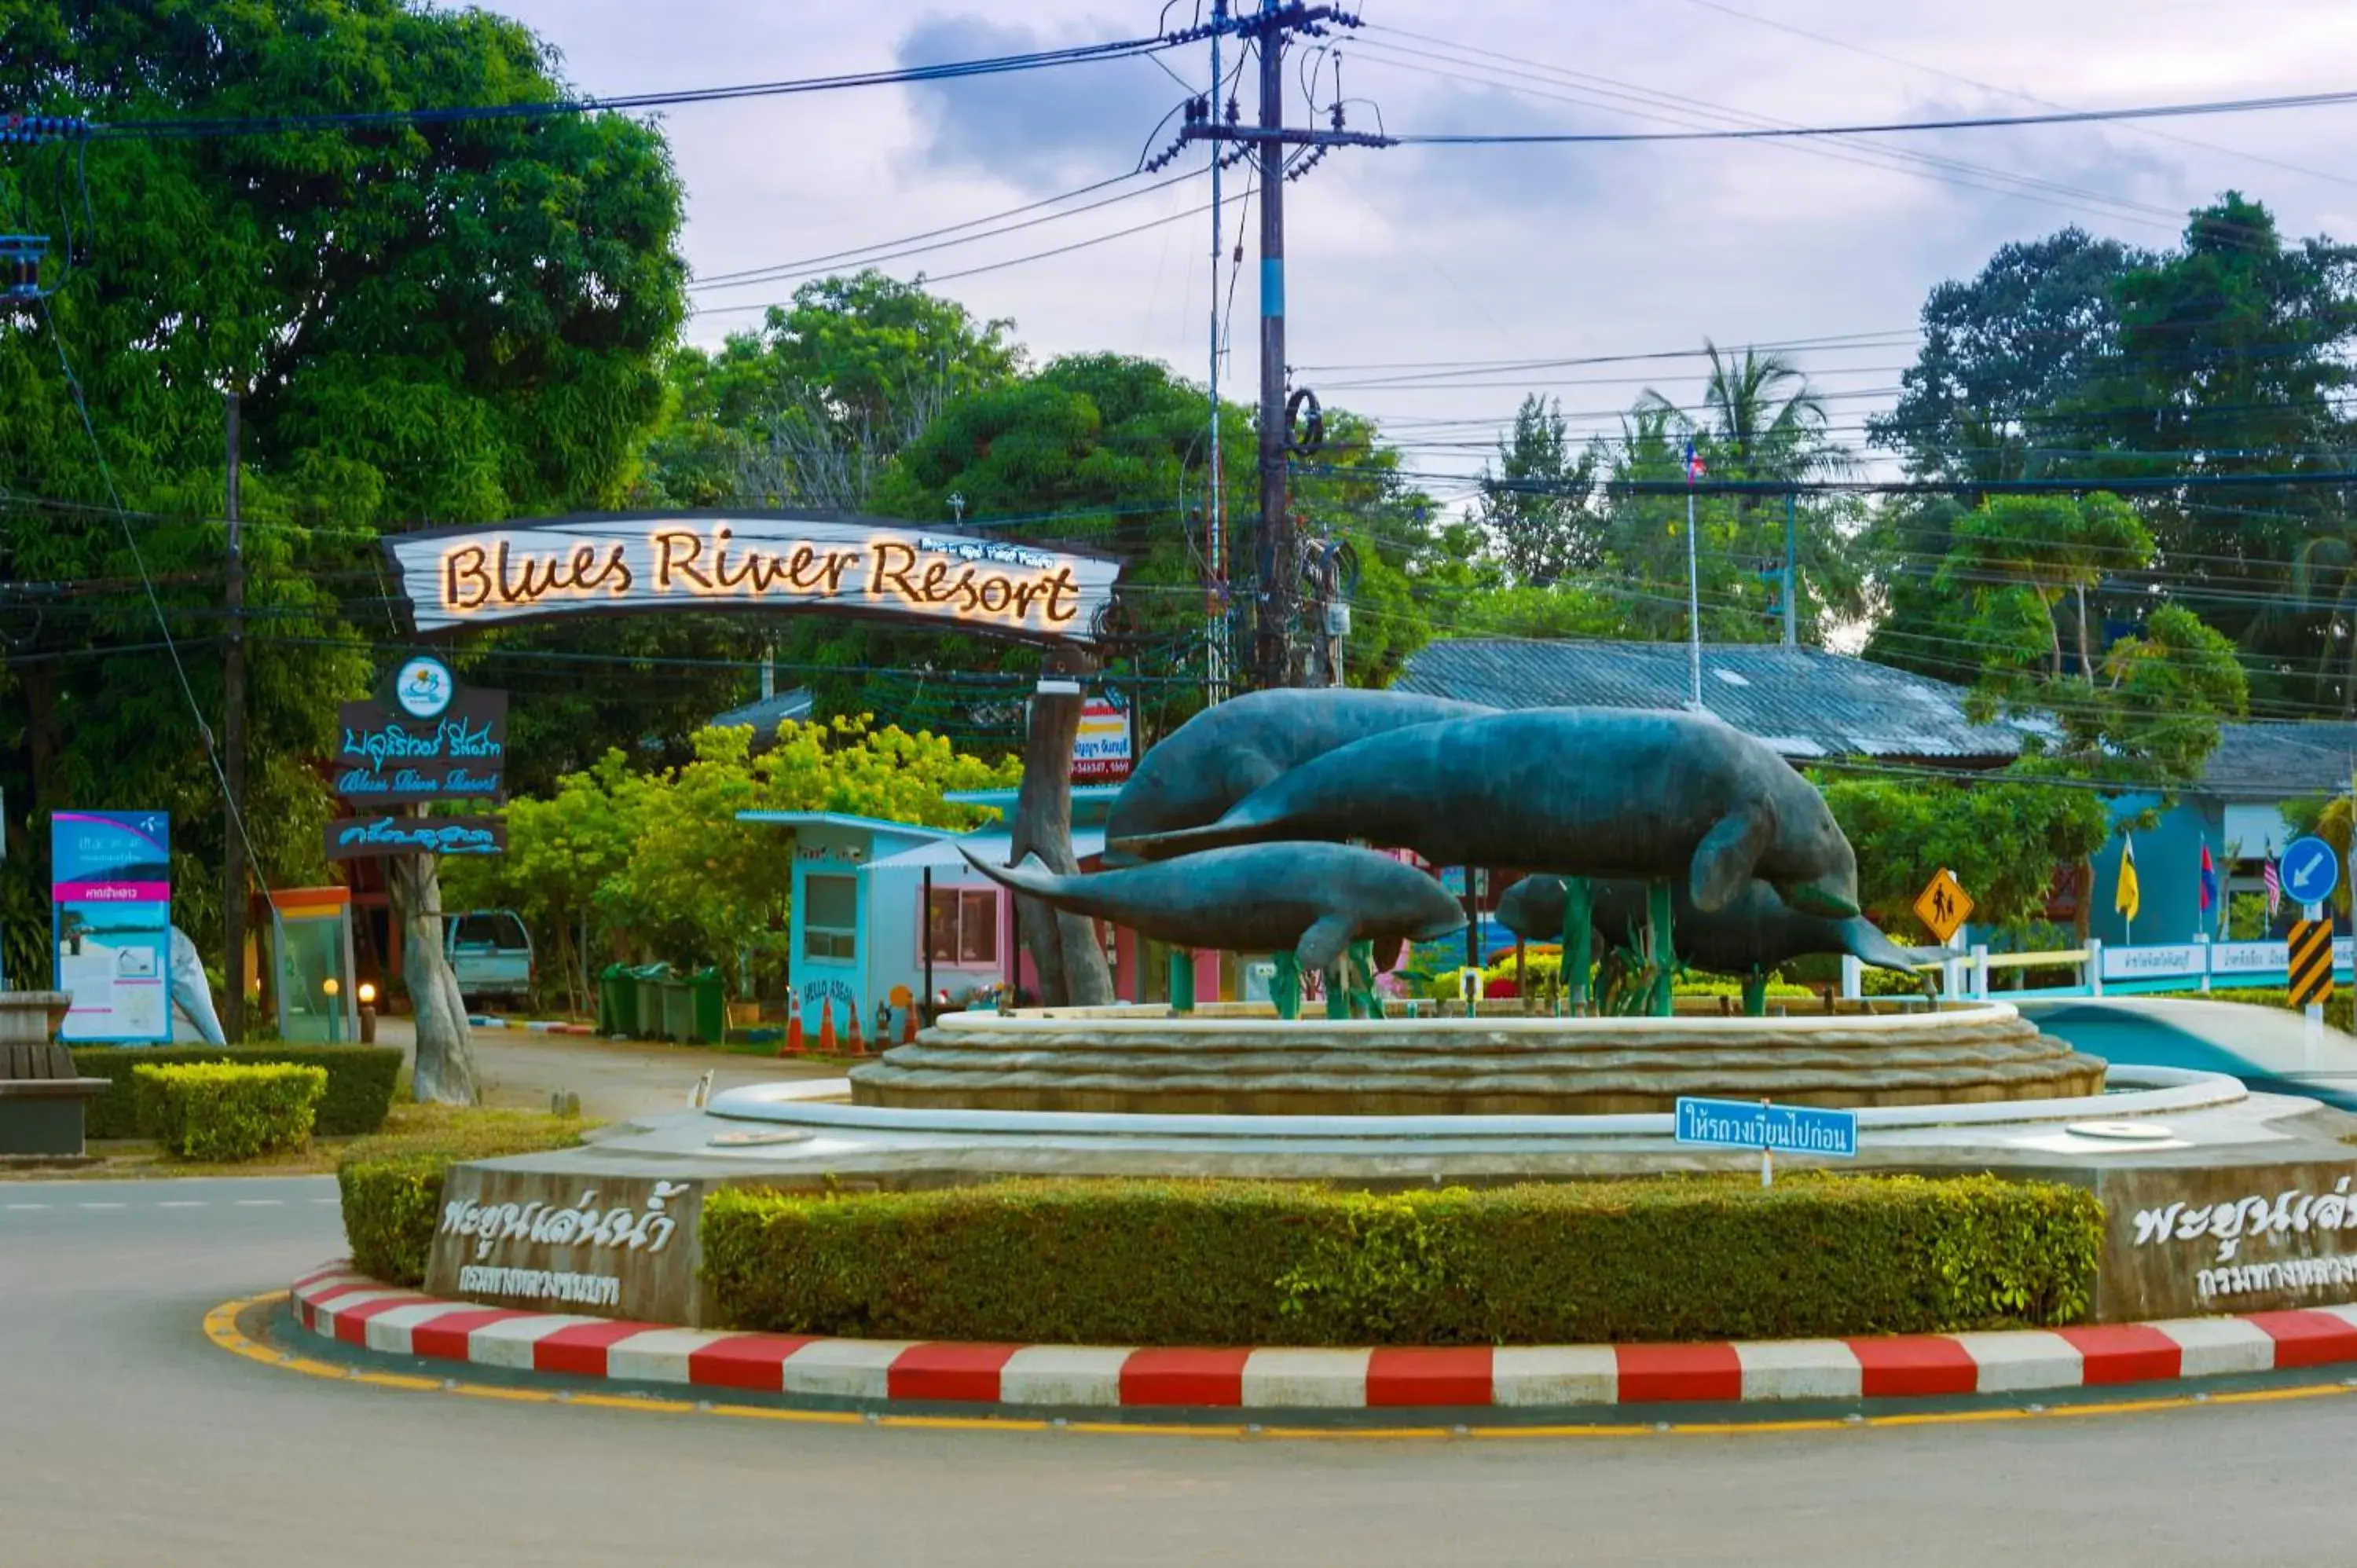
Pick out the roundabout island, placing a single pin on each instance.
(1225, 1173)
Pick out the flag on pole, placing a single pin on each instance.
(1694, 463)
(2271, 878)
(2128, 898)
(2209, 881)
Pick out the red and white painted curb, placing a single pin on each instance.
(534, 1025)
(354, 1310)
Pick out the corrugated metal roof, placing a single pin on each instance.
(1803, 701)
(2280, 760)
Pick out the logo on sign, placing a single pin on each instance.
(424, 687)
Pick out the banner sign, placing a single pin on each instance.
(460, 578)
(361, 838)
(2166, 960)
(390, 758)
(111, 924)
(1105, 747)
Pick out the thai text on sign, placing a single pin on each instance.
(1758, 1125)
(460, 578)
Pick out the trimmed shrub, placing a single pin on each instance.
(359, 1082)
(1143, 1262)
(391, 1184)
(224, 1110)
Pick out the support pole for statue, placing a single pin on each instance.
(1755, 994)
(1285, 986)
(1578, 932)
(1182, 980)
(1662, 958)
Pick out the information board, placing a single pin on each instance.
(111, 924)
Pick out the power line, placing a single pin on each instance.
(950, 70)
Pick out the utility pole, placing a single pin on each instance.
(1215, 566)
(234, 744)
(1276, 550)
(1272, 643)
(1791, 566)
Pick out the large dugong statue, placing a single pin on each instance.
(1314, 898)
(1585, 791)
(1229, 750)
(1756, 931)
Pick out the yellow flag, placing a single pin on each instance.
(2129, 898)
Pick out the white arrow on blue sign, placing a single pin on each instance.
(1757, 1124)
(2311, 869)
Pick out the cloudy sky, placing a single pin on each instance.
(1421, 278)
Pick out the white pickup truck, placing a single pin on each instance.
(491, 952)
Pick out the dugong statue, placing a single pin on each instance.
(1314, 898)
(1649, 794)
(1229, 750)
(1756, 931)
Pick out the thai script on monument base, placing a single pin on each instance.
(2230, 1222)
(582, 1225)
(542, 1285)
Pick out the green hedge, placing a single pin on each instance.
(392, 1186)
(226, 1110)
(359, 1082)
(1139, 1262)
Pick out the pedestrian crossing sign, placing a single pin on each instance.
(1943, 905)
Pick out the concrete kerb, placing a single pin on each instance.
(350, 1309)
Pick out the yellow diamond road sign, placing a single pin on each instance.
(1943, 905)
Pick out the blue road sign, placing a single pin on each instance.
(2311, 870)
(1756, 1124)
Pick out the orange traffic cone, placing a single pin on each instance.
(826, 1047)
(858, 1047)
(793, 1045)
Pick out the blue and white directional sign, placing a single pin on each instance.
(1757, 1124)
(2311, 870)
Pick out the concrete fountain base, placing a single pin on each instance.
(1233, 1060)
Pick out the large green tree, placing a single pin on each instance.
(445, 322)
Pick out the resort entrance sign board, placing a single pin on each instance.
(456, 578)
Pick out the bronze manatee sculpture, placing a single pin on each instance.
(1603, 792)
(1756, 931)
(1314, 899)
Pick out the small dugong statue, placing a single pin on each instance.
(1756, 931)
(1227, 751)
(1649, 794)
(1314, 898)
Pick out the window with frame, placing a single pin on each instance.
(831, 917)
(961, 926)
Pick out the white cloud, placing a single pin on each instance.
(1474, 253)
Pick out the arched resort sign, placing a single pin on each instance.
(607, 563)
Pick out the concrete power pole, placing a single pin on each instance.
(1274, 544)
(234, 745)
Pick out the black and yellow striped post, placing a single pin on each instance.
(2311, 962)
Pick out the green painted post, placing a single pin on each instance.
(1182, 980)
(1338, 988)
(1664, 955)
(1359, 972)
(1755, 994)
(1285, 985)
(1579, 933)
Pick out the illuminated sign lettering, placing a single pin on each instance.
(483, 576)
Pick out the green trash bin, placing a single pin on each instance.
(647, 1008)
(709, 998)
(678, 1010)
(615, 1013)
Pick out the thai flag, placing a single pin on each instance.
(2271, 879)
(1694, 464)
(2209, 881)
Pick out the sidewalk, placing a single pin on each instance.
(616, 1080)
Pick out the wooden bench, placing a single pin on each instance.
(43, 1096)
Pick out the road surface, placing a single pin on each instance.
(126, 1438)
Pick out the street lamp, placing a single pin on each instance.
(367, 994)
(333, 988)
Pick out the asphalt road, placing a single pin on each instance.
(126, 1438)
